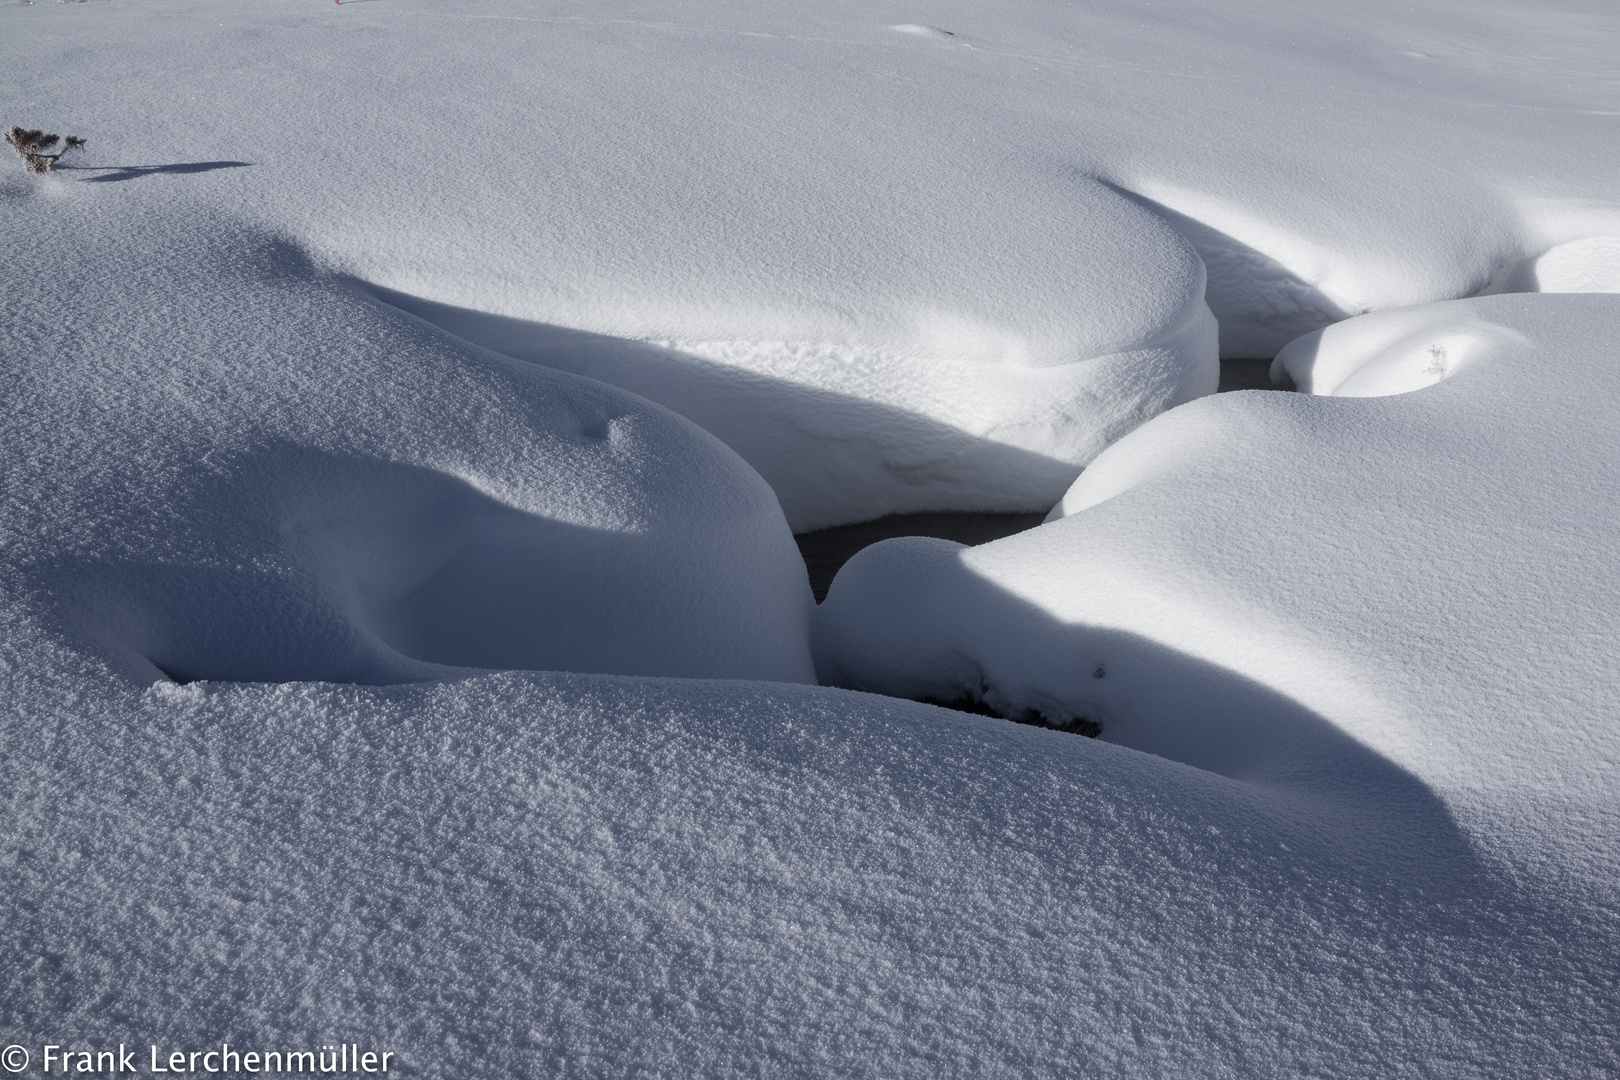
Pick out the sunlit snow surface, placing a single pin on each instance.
(291, 391)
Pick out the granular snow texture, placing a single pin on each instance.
(224, 464)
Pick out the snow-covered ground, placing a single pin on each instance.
(405, 408)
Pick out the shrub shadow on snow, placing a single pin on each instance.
(817, 448)
(114, 173)
(296, 564)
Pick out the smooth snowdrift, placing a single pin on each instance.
(936, 258)
(226, 464)
(1431, 574)
(1591, 264)
(529, 874)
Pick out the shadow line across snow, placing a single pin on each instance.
(1260, 304)
(339, 598)
(1227, 723)
(112, 174)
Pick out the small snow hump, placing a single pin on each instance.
(919, 30)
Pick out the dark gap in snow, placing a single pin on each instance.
(1248, 374)
(826, 550)
(1033, 717)
(173, 676)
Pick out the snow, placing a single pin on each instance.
(231, 465)
(1302, 591)
(405, 407)
(713, 193)
(1591, 264)
(529, 874)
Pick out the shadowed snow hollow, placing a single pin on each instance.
(847, 432)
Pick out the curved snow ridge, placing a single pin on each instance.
(1569, 246)
(960, 418)
(346, 568)
(1174, 667)
(1375, 355)
(859, 432)
(1270, 282)
(1590, 264)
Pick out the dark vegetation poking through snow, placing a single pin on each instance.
(35, 146)
(1033, 717)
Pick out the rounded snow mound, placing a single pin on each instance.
(1307, 590)
(952, 397)
(1387, 352)
(241, 469)
(1589, 264)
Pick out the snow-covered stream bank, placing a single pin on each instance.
(436, 389)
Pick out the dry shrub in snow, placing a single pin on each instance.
(34, 146)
